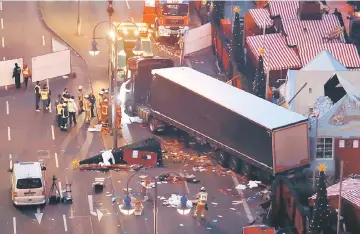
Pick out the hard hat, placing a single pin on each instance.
(86, 96)
(64, 104)
(103, 90)
(80, 87)
(101, 93)
(106, 91)
(202, 189)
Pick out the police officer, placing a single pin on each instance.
(201, 203)
(81, 99)
(16, 75)
(45, 97)
(87, 109)
(92, 100)
(58, 105)
(37, 90)
(64, 118)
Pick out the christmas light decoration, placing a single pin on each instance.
(259, 84)
(320, 222)
(238, 34)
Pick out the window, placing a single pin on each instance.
(31, 183)
(324, 148)
(341, 143)
(356, 143)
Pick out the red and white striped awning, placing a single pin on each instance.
(352, 196)
(277, 56)
(285, 9)
(348, 185)
(261, 17)
(346, 54)
(312, 31)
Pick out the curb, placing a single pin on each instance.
(72, 49)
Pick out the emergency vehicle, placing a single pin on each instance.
(129, 31)
(168, 18)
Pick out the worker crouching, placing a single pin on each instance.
(201, 205)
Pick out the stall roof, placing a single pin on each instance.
(284, 9)
(322, 61)
(278, 56)
(350, 190)
(311, 31)
(251, 107)
(345, 54)
(261, 17)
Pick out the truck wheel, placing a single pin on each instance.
(223, 158)
(247, 170)
(235, 164)
(152, 125)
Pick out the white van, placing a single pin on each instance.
(28, 184)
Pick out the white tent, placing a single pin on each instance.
(303, 87)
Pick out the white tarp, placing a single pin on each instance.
(57, 46)
(6, 71)
(51, 65)
(197, 39)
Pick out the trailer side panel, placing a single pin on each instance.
(291, 147)
(213, 120)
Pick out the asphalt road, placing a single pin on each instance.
(24, 132)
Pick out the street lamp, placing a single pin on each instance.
(94, 49)
(113, 38)
(127, 208)
(137, 50)
(182, 209)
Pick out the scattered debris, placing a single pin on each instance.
(96, 128)
(254, 184)
(241, 187)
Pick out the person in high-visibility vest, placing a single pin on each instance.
(59, 108)
(81, 100)
(37, 90)
(106, 94)
(201, 197)
(65, 92)
(105, 112)
(101, 98)
(66, 98)
(87, 108)
(26, 75)
(45, 97)
(118, 117)
(64, 118)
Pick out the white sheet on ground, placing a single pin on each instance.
(57, 46)
(51, 65)
(6, 71)
(197, 39)
(106, 156)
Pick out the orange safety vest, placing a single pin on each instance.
(104, 109)
(81, 96)
(87, 105)
(26, 72)
(118, 110)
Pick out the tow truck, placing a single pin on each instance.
(168, 18)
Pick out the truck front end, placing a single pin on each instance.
(174, 19)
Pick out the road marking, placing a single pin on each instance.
(1, 6)
(9, 134)
(5, 87)
(244, 202)
(187, 188)
(14, 224)
(132, 19)
(43, 40)
(56, 160)
(39, 215)
(4, 58)
(3, 42)
(7, 107)
(60, 188)
(65, 224)
(52, 132)
(2, 23)
(10, 158)
(91, 205)
(127, 4)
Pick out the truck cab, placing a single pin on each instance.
(169, 18)
(138, 85)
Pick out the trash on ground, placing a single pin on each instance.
(96, 128)
(253, 184)
(241, 187)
